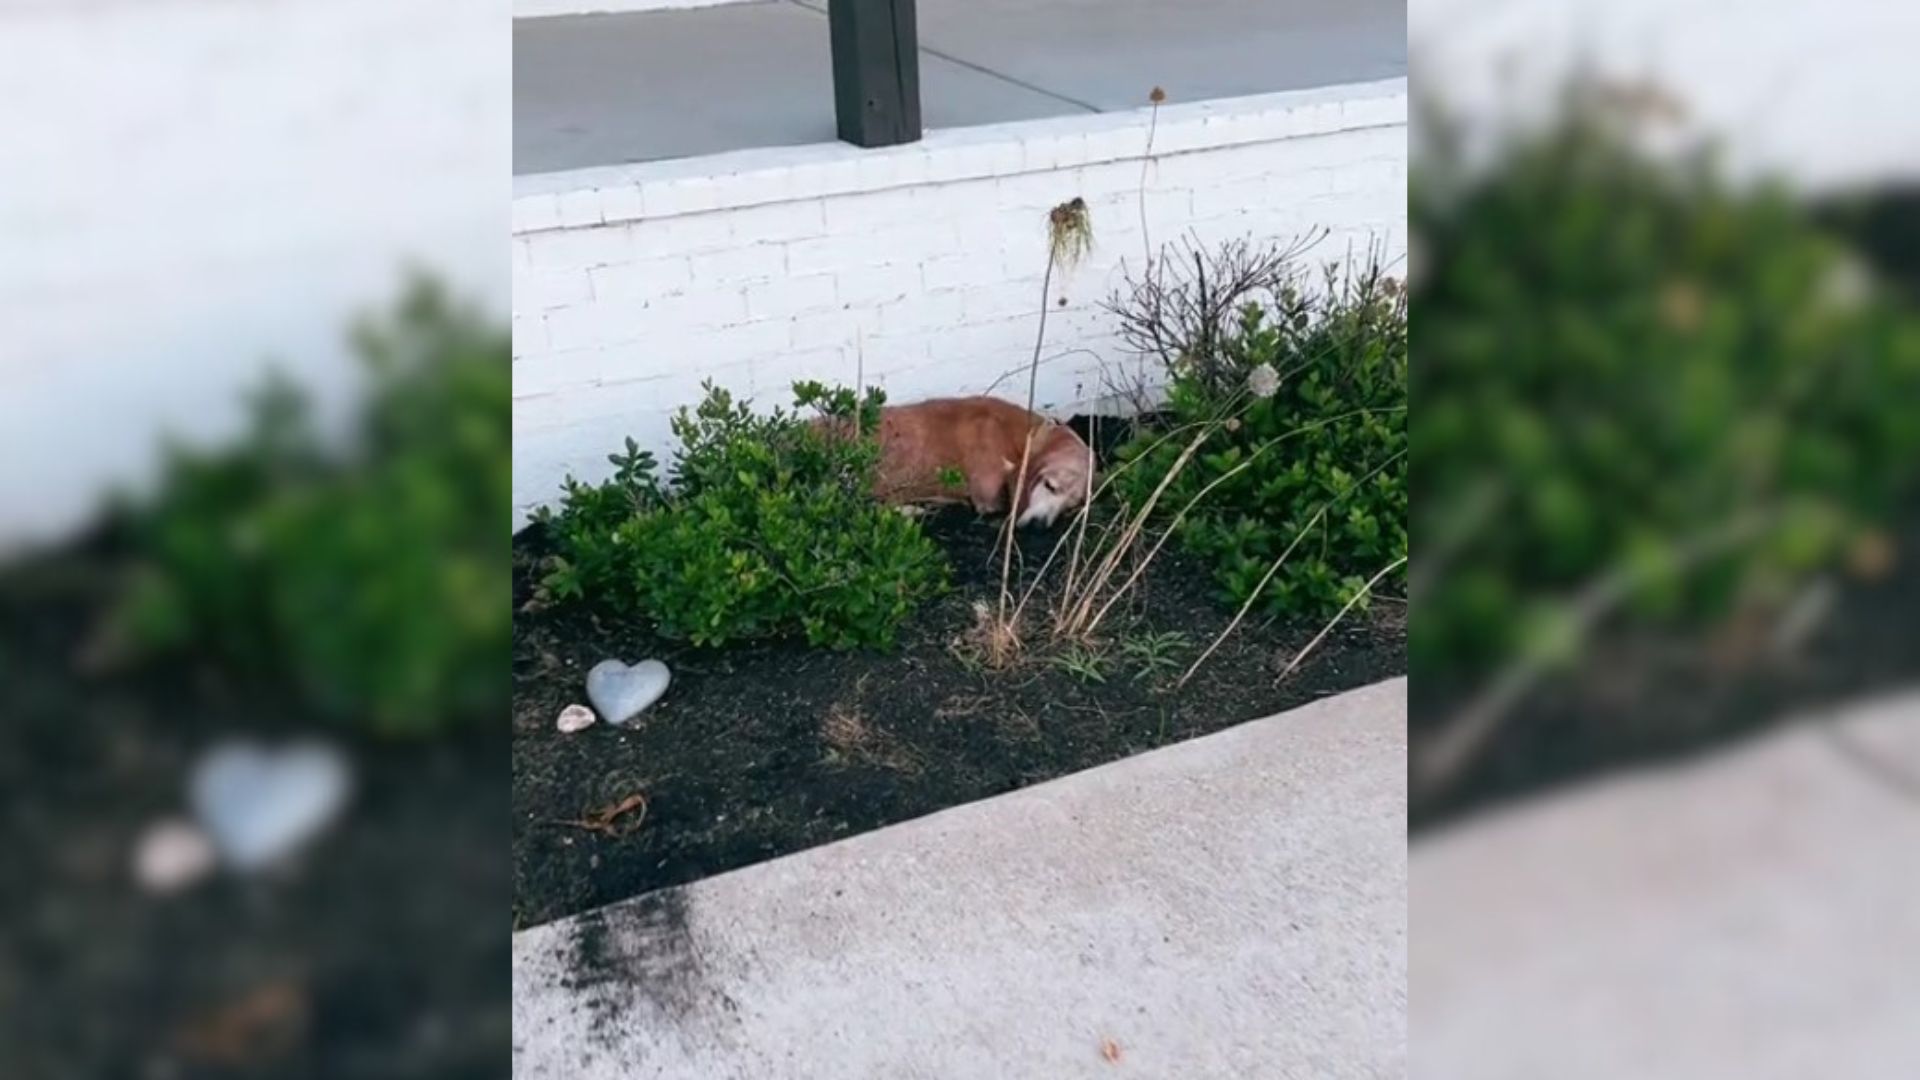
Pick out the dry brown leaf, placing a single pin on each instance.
(1110, 1050)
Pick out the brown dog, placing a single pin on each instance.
(983, 438)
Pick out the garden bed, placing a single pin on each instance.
(758, 751)
(379, 953)
(1643, 698)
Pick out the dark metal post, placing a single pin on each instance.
(876, 71)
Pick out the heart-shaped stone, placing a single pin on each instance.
(260, 804)
(620, 692)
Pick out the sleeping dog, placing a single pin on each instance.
(983, 438)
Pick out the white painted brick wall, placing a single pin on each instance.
(920, 266)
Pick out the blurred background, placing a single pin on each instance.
(254, 448)
(1665, 746)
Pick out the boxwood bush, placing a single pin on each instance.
(1619, 358)
(766, 527)
(1308, 390)
(362, 574)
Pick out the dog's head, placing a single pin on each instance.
(1059, 475)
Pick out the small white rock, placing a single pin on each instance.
(575, 718)
(171, 855)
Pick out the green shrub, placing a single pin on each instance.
(1324, 451)
(366, 576)
(1618, 358)
(767, 528)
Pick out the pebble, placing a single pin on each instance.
(171, 855)
(620, 692)
(575, 718)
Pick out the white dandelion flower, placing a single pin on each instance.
(1846, 287)
(1263, 381)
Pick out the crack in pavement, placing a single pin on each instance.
(820, 9)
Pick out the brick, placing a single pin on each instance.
(845, 213)
(680, 235)
(917, 310)
(1122, 144)
(1236, 197)
(622, 202)
(826, 329)
(877, 172)
(579, 209)
(771, 377)
(872, 287)
(738, 265)
(682, 195)
(777, 222)
(535, 212)
(725, 348)
(587, 326)
(579, 248)
(753, 187)
(641, 280)
(912, 242)
(790, 296)
(695, 310)
(555, 372)
(1000, 344)
(529, 335)
(834, 253)
(962, 271)
(535, 291)
(989, 303)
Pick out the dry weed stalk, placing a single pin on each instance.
(1363, 590)
(1069, 239)
(995, 640)
(1075, 610)
(1253, 596)
(1457, 743)
(1284, 555)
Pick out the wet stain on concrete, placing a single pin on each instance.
(639, 960)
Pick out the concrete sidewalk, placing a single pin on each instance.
(612, 89)
(1234, 906)
(1752, 915)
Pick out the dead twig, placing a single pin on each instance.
(1455, 746)
(606, 820)
(1301, 656)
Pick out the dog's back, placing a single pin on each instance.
(982, 437)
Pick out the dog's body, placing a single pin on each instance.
(983, 438)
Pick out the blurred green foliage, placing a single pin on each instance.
(1618, 358)
(767, 528)
(1319, 466)
(367, 574)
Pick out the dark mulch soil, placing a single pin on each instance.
(384, 953)
(1647, 698)
(761, 750)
